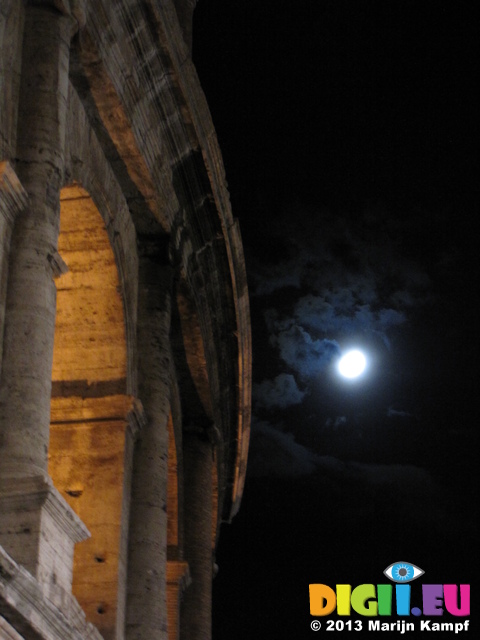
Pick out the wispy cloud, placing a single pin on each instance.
(337, 279)
(277, 453)
(305, 355)
(395, 413)
(279, 393)
(335, 423)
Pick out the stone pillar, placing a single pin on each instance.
(178, 579)
(196, 616)
(35, 521)
(13, 199)
(147, 560)
(25, 386)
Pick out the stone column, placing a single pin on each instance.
(35, 521)
(25, 386)
(178, 579)
(196, 615)
(13, 199)
(146, 616)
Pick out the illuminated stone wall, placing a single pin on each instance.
(125, 350)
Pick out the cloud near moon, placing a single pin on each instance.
(329, 287)
(343, 280)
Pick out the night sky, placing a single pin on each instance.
(349, 131)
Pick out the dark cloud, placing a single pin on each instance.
(309, 339)
(356, 489)
(276, 453)
(399, 495)
(302, 353)
(279, 393)
(338, 280)
(335, 423)
(394, 413)
(349, 260)
(340, 313)
(269, 278)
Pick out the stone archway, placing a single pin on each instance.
(89, 437)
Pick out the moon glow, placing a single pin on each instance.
(352, 364)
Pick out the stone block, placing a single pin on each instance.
(39, 530)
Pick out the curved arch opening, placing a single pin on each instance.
(89, 440)
(90, 352)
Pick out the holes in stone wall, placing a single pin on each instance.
(74, 493)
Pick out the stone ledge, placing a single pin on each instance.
(38, 529)
(30, 493)
(33, 616)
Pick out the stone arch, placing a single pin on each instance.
(128, 127)
(90, 438)
(90, 336)
(86, 165)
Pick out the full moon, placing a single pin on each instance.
(352, 364)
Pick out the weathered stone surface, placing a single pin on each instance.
(147, 593)
(30, 308)
(89, 326)
(13, 200)
(40, 530)
(178, 579)
(33, 616)
(11, 30)
(7, 632)
(87, 165)
(196, 623)
(184, 9)
(94, 485)
(124, 325)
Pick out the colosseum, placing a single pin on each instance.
(125, 350)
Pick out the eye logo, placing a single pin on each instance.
(403, 572)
